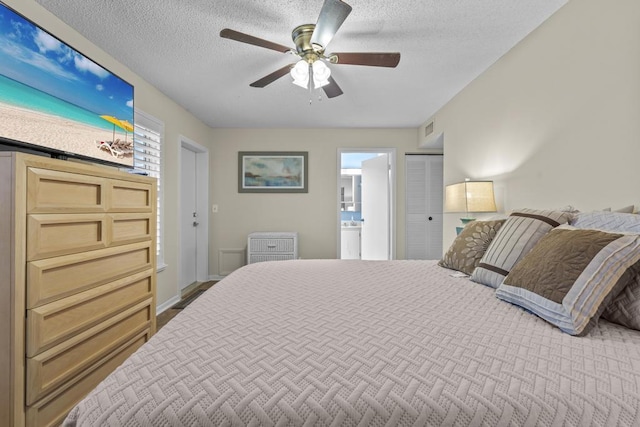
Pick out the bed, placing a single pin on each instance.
(367, 343)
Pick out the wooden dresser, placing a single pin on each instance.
(77, 281)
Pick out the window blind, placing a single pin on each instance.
(147, 158)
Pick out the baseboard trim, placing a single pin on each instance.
(167, 304)
(216, 277)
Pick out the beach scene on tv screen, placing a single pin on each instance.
(53, 96)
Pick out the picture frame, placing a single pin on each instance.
(273, 172)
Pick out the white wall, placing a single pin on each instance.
(313, 215)
(176, 119)
(556, 120)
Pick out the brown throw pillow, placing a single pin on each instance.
(625, 308)
(467, 249)
(571, 275)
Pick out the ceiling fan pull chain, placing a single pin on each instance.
(310, 83)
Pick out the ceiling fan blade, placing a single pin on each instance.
(270, 78)
(246, 38)
(375, 59)
(332, 15)
(332, 89)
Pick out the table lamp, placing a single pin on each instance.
(469, 196)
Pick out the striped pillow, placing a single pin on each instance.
(608, 221)
(572, 275)
(519, 234)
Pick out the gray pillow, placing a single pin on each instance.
(467, 249)
(608, 221)
(625, 308)
(514, 240)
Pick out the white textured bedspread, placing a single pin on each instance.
(367, 343)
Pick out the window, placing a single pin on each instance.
(147, 158)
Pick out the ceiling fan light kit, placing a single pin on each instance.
(311, 71)
(317, 70)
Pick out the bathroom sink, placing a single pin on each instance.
(350, 224)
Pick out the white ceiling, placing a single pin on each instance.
(175, 45)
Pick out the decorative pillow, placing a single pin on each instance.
(467, 249)
(568, 208)
(626, 209)
(625, 308)
(515, 239)
(608, 221)
(571, 276)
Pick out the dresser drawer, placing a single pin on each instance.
(50, 369)
(126, 196)
(272, 245)
(52, 323)
(253, 258)
(54, 278)
(51, 191)
(130, 228)
(51, 235)
(52, 410)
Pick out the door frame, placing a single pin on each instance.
(392, 193)
(202, 206)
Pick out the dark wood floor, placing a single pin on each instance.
(164, 317)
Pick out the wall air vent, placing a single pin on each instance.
(428, 129)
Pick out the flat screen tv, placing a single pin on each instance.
(55, 100)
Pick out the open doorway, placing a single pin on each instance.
(366, 201)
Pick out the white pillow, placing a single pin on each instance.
(626, 209)
(608, 221)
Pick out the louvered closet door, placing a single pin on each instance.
(424, 200)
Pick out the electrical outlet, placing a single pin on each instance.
(214, 208)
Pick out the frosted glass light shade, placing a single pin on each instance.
(321, 74)
(470, 196)
(300, 74)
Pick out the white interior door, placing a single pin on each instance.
(189, 220)
(424, 208)
(375, 237)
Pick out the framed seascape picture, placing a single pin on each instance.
(272, 172)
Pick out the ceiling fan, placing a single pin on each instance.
(311, 71)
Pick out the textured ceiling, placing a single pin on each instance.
(175, 45)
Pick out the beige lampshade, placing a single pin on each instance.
(470, 196)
